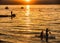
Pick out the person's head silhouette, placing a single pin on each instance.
(46, 28)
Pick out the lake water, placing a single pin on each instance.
(29, 22)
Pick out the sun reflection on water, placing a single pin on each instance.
(28, 20)
(27, 14)
(27, 10)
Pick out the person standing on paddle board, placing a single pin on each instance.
(47, 34)
(41, 35)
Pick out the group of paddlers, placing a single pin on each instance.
(46, 34)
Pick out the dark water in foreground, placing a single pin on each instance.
(29, 22)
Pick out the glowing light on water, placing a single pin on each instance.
(28, 13)
(28, 20)
(27, 10)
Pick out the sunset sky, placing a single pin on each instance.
(13, 2)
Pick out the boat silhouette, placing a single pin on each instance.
(12, 15)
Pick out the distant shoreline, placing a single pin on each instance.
(31, 4)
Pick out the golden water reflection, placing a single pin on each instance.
(28, 20)
(27, 10)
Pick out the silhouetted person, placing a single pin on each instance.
(11, 12)
(41, 35)
(12, 15)
(47, 34)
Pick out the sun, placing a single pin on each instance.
(27, 0)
